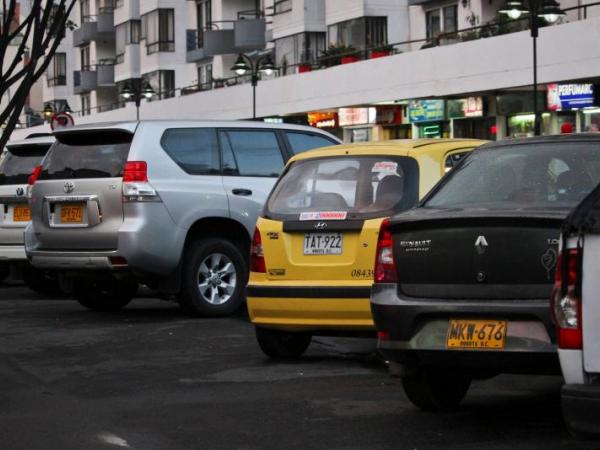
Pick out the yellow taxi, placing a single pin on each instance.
(313, 250)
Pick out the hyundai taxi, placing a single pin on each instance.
(313, 251)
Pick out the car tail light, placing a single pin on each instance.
(257, 256)
(136, 187)
(385, 266)
(566, 301)
(117, 261)
(383, 335)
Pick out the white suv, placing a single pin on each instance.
(576, 312)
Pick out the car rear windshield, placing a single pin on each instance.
(90, 154)
(359, 187)
(536, 175)
(17, 162)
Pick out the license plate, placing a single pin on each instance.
(476, 334)
(71, 214)
(323, 243)
(21, 214)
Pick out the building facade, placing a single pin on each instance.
(363, 69)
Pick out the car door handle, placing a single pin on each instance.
(242, 192)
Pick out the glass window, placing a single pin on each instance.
(17, 162)
(301, 142)
(159, 30)
(433, 23)
(299, 48)
(120, 41)
(256, 153)
(85, 58)
(57, 73)
(281, 6)
(86, 104)
(361, 186)
(450, 19)
(195, 150)
(91, 154)
(84, 10)
(358, 33)
(162, 81)
(525, 176)
(203, 19)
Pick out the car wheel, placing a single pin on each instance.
(282, 345)
(436, 389)
(40, 281)
(104, 294)
(4, 271)
(214, 277)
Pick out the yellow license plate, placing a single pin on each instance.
(476, 334)
(21, 214)
(71, 214)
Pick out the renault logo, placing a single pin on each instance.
(20, 192)
(481, 245)
(321, 226)
(68, 187)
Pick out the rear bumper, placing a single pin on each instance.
(418, 329)
(581, 407)
(340, 310)
(56, 260)
(12, 253)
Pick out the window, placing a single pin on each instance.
(359, 33)
(251, 153)
(84, 11)
(204, 75)
(281, 6)
(441, 20)
(85, 58)
(195, 150)
(159, 31)
(301, 142)
(86, 105)
(362, 186)
(126, 33)
(203, 19)
(57, 73)
(17, 162)
(162, 81)
(298, 48)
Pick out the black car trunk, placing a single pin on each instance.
(463, 256)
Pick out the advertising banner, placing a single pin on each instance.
(465, 107)
(425, 110)
(570, 96)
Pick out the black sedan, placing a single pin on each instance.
(462, 283)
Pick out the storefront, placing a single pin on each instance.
(468, 118)
(428, 118)
(325, 120)
(394, 122)
(518, 109)
(358, 124)
(576, 106)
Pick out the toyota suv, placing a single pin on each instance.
(168, 204)
(16, 163)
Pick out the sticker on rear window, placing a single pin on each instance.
(385, 167)
(324, 215)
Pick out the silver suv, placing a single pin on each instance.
(16, 164)
(168, 204)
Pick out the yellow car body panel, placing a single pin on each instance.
(283, 298)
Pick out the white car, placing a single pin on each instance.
(576, 311)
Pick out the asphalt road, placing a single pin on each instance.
(151, 378)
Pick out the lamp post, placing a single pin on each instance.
(135, 91)
(48, 112)
(548, 10)
(261, 64)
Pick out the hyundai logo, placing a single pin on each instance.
(320, 226)
(69, 187)
(20, 192)
(481, 245)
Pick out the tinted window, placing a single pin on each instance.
(17, 163)
(301, 142)
(90, 154)
(195, 150)
(534, 175)
(361, 186)
(256, 153)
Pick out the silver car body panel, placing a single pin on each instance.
(590, 308)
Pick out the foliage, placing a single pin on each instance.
(332, 56)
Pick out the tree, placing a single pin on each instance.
(38, 35)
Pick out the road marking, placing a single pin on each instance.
(112, 439)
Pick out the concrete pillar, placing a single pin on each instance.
(500, 127)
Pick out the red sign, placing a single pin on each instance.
(61, 120)
(389, 115)
(323, 119)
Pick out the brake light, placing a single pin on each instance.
(257, 256)
(35, 174)
(566, 305)
(136, 187)
(385, 266)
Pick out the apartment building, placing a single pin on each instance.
(365, 69)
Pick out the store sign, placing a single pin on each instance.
(425, 110)
(356, 116)
(389, 115)
(570, 96)
(323, 119)
(465, 107)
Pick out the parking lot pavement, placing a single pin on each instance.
(150, 378)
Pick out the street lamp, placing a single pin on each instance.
(548, 10)
(135, 92)
(48, 112)
(67, 108)
(261, 64)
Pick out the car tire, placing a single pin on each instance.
(278, 344)
(4, 271)
(104, 294)
(40, 281)
(215, 274)
(436, 389)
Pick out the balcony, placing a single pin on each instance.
(85, 81)
(194, 47)
(95, 28)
